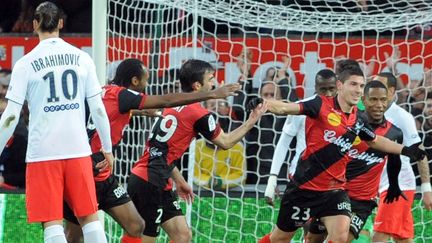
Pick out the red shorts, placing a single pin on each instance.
(48, 183)
(396, 218)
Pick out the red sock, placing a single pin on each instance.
(130, 239)
(265, 239)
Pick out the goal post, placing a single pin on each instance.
(99, 38)
(243, 40)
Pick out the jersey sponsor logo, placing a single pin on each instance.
(154, 152)
(334, 119)
(343, 143)
(370, 158)
(119, 191)
(356, 222)
(344, 206)
(358, 126)
(53, 108)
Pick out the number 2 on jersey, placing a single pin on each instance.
(66, 74)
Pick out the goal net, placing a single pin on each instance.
(252, 42)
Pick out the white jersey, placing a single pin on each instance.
(405, 121)
(55, 78)
(295, 127)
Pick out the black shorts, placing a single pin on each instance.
(109, 194)
(361, 210)
(154, 204)
(299, 205)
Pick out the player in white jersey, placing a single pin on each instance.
(325, 84)
(395, 219)
(56, 78)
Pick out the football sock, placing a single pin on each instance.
(130, 239)
(54, 234)
(94, 233)
(265, 239)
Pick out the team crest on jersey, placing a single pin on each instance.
(334, 119)
(358, 126)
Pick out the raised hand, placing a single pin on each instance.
(226, 90)
(258, 111)
(392, 60)
(147, 112)
(253, 103)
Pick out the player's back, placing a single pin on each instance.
(55, 78)
(171, 136)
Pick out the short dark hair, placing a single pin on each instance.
(193, 71)
(373, 84)
(348, 72)
(48, 15)
(128, 69)
(341, 65)
(391, 79)
(267, 83)
(325, 74)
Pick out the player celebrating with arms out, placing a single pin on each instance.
(317, 187)
(56, 78)
(150, 185)
(366, 165)
(122, 96)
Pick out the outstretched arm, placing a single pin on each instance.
(386, 145)
(177, 99)
(228, 140)
(278, 107)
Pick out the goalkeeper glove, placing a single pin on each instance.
(413, 152)
(393, 194)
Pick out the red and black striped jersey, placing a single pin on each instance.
(118, 102)
(171, 136)
(330, 134)
(364, 171)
